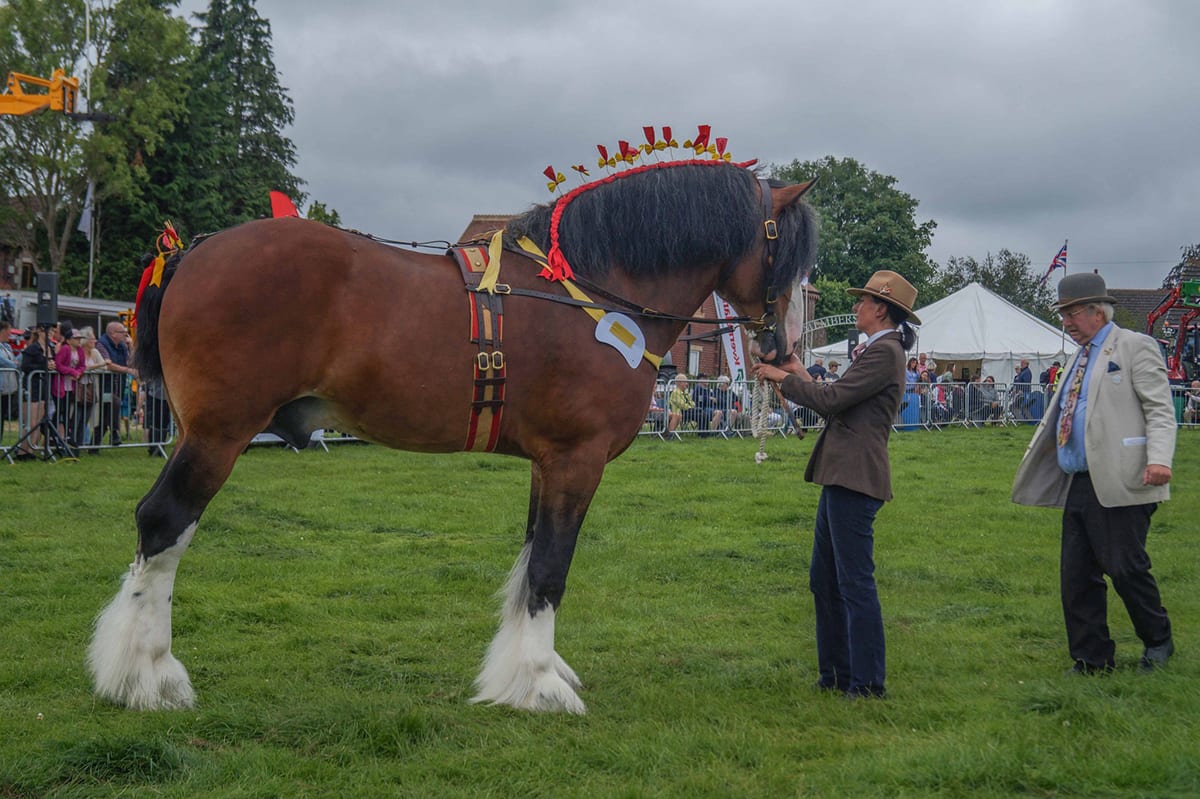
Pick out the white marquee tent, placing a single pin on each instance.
(981, 331)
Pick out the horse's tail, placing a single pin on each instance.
(146, 357)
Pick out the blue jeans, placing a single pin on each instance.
(850, 645)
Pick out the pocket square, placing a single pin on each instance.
(1113, 366)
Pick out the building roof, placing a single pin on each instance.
(483, 224)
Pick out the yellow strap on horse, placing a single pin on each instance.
(536, 253)
(492, 273)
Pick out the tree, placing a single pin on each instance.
(867, 224)
(1006, 274)
(47, 160)
(143, 83)
(319, 213)
(238, 113)
(43, 175)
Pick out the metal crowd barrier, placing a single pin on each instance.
(79, 424)
(98, 413)
(733, 401)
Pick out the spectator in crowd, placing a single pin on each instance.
(1191, 408)
(831, 374)
(1049, 378)
(911, 374)
(656, 415)
(10, 380)
(1103, 454)
(925, 363)
(710, 417)
(850, 461)
(684, 409)
(34, 368)
(87, 389)
(983, 402)
(114, 349)
(1022, 384)
(924, 382)
(817, 370)
(8, 310)
(681, 405)
(726, 402)
(69, 363)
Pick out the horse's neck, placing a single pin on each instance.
(680, 294)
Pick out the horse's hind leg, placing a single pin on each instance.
(522, 669)
(130, 655)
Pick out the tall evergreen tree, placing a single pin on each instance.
(239, 111)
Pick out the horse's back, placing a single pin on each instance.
(274, 310)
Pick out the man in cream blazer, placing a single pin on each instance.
(1103, 453)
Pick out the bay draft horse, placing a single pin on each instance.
(662, 239)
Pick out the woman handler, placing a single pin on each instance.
(850, 460)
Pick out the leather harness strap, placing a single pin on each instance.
(487, 330)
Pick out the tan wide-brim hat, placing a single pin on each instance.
(890, 287)
(1080, 289)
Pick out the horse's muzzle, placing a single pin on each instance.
(770, 347)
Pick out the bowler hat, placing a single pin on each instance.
(890, 287)
(1082, 288)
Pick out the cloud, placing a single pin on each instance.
(1015, 124)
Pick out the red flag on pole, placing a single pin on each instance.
(282, 206)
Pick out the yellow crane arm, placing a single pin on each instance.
(61, 94)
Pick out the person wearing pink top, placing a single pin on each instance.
(69, 363)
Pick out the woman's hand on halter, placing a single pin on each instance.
(777, 374)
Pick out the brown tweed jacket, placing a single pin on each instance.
(859, 410)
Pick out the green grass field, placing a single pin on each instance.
(334, 607)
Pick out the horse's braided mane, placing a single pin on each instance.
(661, 220)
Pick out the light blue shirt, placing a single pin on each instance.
(1072, 456)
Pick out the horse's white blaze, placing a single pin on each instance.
(130, 656)
(521, 668)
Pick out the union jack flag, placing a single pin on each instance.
(1060, 260)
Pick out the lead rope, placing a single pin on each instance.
(762, 392)
(758, 419)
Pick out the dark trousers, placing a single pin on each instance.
(110, 413)
(1097, 541)
(850, 645)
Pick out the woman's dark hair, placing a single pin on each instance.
(899, 317)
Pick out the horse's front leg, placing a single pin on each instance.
(521, 668)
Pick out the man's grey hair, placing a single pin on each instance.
(1108, 310)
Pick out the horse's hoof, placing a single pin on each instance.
(554, 694)
(548, 693)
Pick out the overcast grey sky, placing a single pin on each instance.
(1015, 123)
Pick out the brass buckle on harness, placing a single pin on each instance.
(771, 228)
(490, 360)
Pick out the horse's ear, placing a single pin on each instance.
(789, 195)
